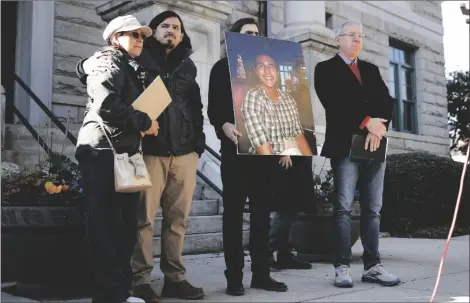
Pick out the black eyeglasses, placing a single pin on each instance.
(136, 35)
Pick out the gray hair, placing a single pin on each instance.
(340, 30)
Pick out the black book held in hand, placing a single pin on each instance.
(359, 152)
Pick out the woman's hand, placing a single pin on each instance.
(153, 130)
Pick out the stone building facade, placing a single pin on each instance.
(404, 38)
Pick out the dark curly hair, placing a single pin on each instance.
(237, 26)
(158, 19)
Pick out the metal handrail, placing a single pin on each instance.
(72, 138)
(203, 177)
(46, 110)
(211, 184)
(212, 152)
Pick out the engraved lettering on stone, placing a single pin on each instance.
(61, 217)
(33, 217)
(9, 217)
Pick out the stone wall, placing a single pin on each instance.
(253, 9)
(78, 30)
(77, 34)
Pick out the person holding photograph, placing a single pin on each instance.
(242, 177)
(111, 221)
(271, 116)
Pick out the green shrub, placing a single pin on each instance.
(421, 191)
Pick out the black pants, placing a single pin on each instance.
(293, 193)
(242, 177)
(111, 228)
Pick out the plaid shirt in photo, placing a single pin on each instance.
(266, 122)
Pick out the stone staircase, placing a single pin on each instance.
(21, 148)
(204, 226)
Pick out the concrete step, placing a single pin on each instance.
(198, 225)
(200, 243)
(18, 137)
(25, 160)
(32, 145)
(21, 148)
(19, 131)
(204, 191)
(200, 208)
(195, 225)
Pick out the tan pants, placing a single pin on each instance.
(174, 181)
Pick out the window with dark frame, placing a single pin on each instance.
(401, 84)
(329, 20)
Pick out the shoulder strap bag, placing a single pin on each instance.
(130, 173)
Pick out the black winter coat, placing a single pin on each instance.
(220, 103)
(111, 94)
(181, 124)
(347, 103)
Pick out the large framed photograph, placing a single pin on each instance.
(271, 96)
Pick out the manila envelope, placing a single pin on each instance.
(153, 100)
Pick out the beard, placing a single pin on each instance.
(168, 43)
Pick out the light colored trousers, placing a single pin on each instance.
(173, 184)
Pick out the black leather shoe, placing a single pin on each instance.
(235, 289)
(183, 290)
(268, 283)
(234, 284)
(146, 293)
(287, 260)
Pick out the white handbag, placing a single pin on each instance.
(130, 173)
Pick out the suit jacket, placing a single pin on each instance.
(347, 103)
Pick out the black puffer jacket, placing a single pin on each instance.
(111, 93)
(181, 124)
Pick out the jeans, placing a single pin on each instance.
(242, 177)
(279, 233)
(347, 173)
(111, 227)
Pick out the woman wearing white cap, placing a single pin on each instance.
(112, 216)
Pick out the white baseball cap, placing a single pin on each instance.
(126, 23)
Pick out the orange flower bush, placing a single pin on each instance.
(58, 185)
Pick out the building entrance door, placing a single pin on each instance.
(9, 31)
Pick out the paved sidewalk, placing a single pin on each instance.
(415, 261)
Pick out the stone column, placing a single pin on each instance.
(302, 13)
(304, 22)
(305, 16)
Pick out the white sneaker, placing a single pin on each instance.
(343, 277)
(134, 300)
(378, 274)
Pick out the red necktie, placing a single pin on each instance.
(355, 70)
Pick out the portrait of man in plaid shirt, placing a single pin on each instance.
(271, 116)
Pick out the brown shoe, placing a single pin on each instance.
(146, 293)
(182, 290)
